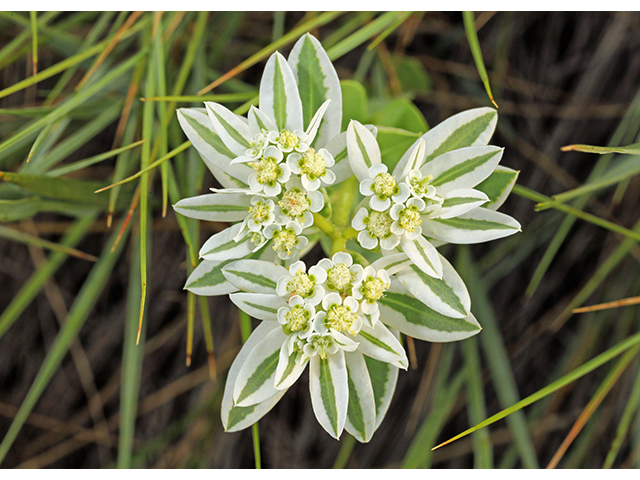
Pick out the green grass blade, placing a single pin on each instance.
(18, 236)
(35, 283)
(87, 162)
(477, 409)
(633, 149)
(79, 312)
(132, 355)
(555, 386)
(495, 352)
(474, 44)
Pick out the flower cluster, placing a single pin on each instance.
(344, 317)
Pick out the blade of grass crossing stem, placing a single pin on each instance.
(161, 90)
(474, 44)
(87, 162)
(363, 34)
(477, 408)
(132, 355)
(92, 37)
(74, 101)
(34, 41)
(497, 358)
(36, 282)
(23, 237)
(63, 65)
(147, 132)
(555, 386)
(611, 262)
(78, 314)
(445, 393)
(629, 126)
(8, 52)
(595, 401)
(396, 24)
(630, 410)
(245, 331)
(293, 35)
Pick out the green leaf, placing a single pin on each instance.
(254, 276)
(361, 411)
(383, 381)
(412, 317)
(403, 114)
(633, 149)
(356, 108)
(394, 143)
(498, 186)
(216, 207)
(472, 37)
(207, 279)
(412, 74)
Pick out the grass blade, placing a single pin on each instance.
(474, 44)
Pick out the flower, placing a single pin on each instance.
(430, 195)
(273, 163)
(330, 336)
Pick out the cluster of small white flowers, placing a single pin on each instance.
(327, 306)
(396, 208)
(288, 173)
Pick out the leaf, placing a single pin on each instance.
(216, 207)
(463, 168)
(207, 279)
(198, 128)
(423, 255)
(262, 306)
(458, 202)
(412, 74)
(402, 311)
(469, 128)
(317, 81)
(498, 186)
(401, 113)
(379, 343)
(476, 226)
(232, 130)
(363, 149)
(472, 37)
(222, 246)
(279, 97)
(255, 382)
(329, 389)
(447, 296)
(254, 276)
(361, 411)
(383, 381)
(356, 108)
(238, 418)
(394, 144)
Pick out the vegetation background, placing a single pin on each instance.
(75, 390)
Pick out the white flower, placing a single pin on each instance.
(340, 273)
(369, 289)
(382, 188)
(417, 201)
(328, 336)
(313, 167)
(298, 204)
(306, 285)
(287, 239)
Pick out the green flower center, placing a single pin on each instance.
(321, 345)
(378, 224)
(297, 320)
(384, 185)
(373, 289)
(288, 140)
(312, 164)
(267, 171)
(301, 284)
(340, 318)
(260, 212)
(409, 218)
(420, 185)
(339, 277)
(284, 240)
(294, 203)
